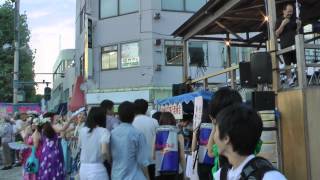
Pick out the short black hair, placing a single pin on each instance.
(141, 106)
(49, 114)
(107, 104)
(156, 115)
(224, 97)
(48, 130)
(126, 111)
(243, 125)
(284, 7)
(96, 117)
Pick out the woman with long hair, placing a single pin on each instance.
(33, 140)
(51, 161)
(94, 140)
(167, 119)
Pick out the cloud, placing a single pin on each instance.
(38, 14)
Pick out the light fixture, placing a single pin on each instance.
(266, 18)
(227, 42)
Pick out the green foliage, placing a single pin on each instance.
(26, 62)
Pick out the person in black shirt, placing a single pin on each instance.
(286, 28)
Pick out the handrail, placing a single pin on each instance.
(312, 46)
(216, 73)
(287, 49)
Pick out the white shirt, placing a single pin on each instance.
(234, 173)
(90, 144)
(148, 127)
(18, 125)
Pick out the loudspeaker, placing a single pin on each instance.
(261, 68)
(263, 100)
(245, 74)
(178, 89)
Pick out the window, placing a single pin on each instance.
(128, 6)
(198, 53)
(194, 5)
(130, 55)
(183, 5)
(173, 51)
(81, 67)
(234, 55)
(109, 57)
(175, 5)
(109, 8)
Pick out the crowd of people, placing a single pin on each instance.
(134, 146)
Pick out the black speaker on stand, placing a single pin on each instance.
(261, 68)
(263, 100)
(245, 75)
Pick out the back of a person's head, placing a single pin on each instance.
(107, 104)
(96, 117)
(205, 117)
(222, 98)
(141, 106)
(49, 114)
(156, 115)
(167, 118)
(48, 130)
(243, 126)
(126, 112)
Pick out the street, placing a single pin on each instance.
(12, 174)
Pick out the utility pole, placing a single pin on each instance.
(16, 52)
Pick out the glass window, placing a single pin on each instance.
(109, 57)
(198, 53)
(128, 6)
(175, 5)
(130, 55)
(173, 51)
(108, 8)
(194, 5)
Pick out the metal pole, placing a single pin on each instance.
(16, 53)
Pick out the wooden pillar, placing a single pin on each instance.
(272, 43)
(231, 74)
(205, 84)
(301, 63)
(185, 61)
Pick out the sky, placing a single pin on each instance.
(49, 21)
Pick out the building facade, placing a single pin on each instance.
(63, 79)
(125, 50)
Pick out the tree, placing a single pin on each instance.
(26, 62)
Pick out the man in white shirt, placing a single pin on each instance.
(237, 132)
(147, 126)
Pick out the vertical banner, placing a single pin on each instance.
(197, 113)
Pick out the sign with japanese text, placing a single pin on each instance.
(197, 113)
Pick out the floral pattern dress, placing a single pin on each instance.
(51, 166)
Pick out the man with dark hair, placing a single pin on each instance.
(222, 98)
(111, 121)
(286, 28)
(147, 126)
(128, 148)
(237, 132)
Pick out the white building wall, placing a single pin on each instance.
(144, 28)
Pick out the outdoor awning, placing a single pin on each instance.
(77, 99)
(238, 16)
(185, 98)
